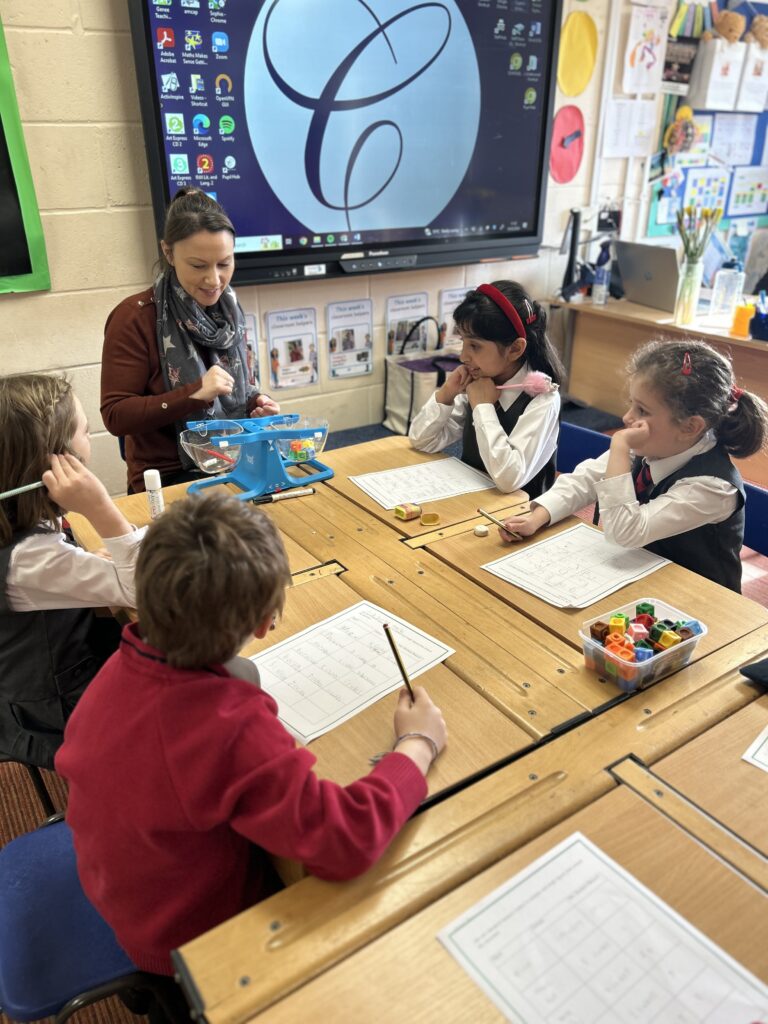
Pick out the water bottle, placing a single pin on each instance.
(602, 275)
(153, 486)
(729, 285)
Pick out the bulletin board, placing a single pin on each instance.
(738, 183)
(23, 261)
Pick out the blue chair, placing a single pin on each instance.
(57, 954)
(756, 519)
(578, 443)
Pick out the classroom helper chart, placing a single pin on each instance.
(325, 674)
(428, 481)
(574, 938)
(575, 568)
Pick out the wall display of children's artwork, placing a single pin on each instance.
(292, 348)
(449, 300)
(698, 154)
(716, 74)
(252, 348)
(678, 64)
(404, 332)
(350, 338)
(646, 44)
(753, 90)
(578, 53)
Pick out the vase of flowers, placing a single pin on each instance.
(695, 227)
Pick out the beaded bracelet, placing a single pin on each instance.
(408, 736)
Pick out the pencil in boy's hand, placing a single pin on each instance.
(399, 661)
(498, 522)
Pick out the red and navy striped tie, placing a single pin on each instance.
(643, 484)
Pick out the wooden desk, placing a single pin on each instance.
(392, 453)
(409, 972)
(601, 339)
(297, 934)
(709, 772)
(727, 616)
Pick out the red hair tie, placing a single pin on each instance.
(736, 393)
(507, 308)
(686, 370)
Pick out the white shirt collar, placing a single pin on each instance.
(662, 468)
(506, 398)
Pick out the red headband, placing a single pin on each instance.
(507, 308)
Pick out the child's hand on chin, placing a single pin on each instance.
(455, 384)
(632, 438)
(482, 391)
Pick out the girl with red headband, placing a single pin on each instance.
(503, 400)
(667, 482)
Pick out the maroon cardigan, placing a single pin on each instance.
(135, 403)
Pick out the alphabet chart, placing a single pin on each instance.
(429, 481)
(575, 568)
(329, 672)
(574, 938)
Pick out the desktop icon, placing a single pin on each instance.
(226, 125)
(316, 239)
(303, 240)
(500, 29)
(191, 4)
(196, 83)
(518, 29)
(220, 42)
(515, 61)
(166, 40)
(330, 239)
(216, 5)
(230, 163)
(533, 62)
(169, 82)
(200, 124)
(529, 97)
(223, 84)
(179, 164)
(174, 124)
(161, 3)
(193, 39)
(204, 163)
(535, 29)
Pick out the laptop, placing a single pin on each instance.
(649, 274)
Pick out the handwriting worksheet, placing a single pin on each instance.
(329, 672)
(575, 568)
(574, 938)
(757, 754)
(429, 481)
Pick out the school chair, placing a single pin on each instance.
(578, 443)
(756, 518)
(57, 954)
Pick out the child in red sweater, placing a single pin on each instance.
(180, 773)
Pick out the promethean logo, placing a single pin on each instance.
(376, 128)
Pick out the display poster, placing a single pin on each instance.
(753, 89)
(403, 315)
(749, 192)
(706, 187)
(629, 128)
(644, 57)
(698, 154)
(678, 64)
(252, 349)
(733, 138)
(292, 348)
(449, 300)
(350, 338)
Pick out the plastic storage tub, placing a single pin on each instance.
(631, 675)
(197, 445)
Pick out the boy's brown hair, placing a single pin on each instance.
(210, 570)
(37, 419)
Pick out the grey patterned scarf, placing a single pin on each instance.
(184, 330)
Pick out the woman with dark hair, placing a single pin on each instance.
(503, 401)
(176, 351)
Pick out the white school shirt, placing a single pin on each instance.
(691, 502)
(47, 572)
(511, 460)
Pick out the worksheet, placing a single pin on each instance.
(429, 481)
(575, 568)
(757, 754)
(329, 672)
(574, 938)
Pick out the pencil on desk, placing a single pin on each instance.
(399, 661)
(498, 522)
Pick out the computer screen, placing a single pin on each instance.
(352, 135)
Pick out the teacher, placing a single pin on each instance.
(176, 351)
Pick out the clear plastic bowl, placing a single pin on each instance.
(302, 449)
(197, 445)
(631, 675)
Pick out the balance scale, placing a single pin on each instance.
(265, 453)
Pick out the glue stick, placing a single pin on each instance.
(154, 491)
